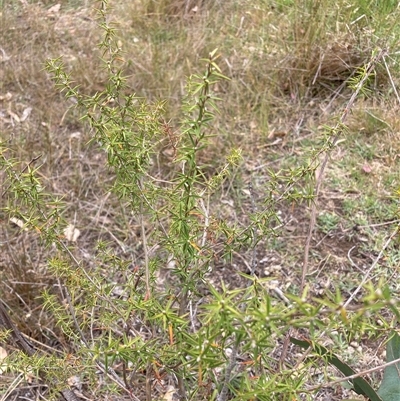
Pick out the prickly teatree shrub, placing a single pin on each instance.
(158, 325)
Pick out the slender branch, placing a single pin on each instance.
(223, 395)
(338, 130)
(16, 177)
(254, 262)
(145, 251)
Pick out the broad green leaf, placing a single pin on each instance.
(361, 386)
(390, 386)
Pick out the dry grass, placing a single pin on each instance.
(288, 77)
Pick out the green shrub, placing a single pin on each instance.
(161, 320)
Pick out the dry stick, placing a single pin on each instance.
(16, 382)
(365, 372)
(391, 79)
(338, 131)
(148, 382)
(25, 346)
(366, 275)
(16, 335)
(386, 223)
